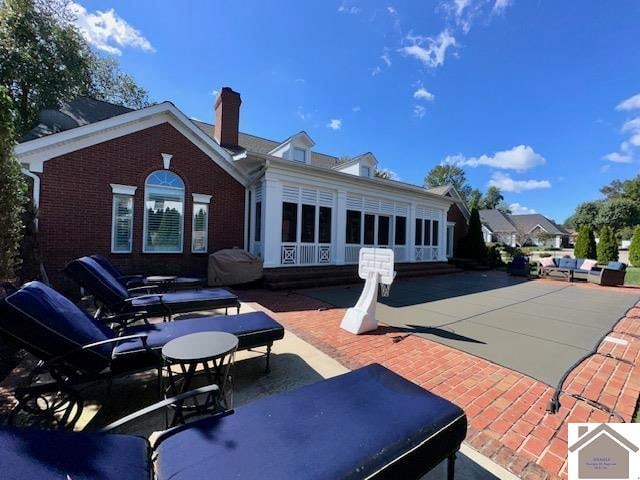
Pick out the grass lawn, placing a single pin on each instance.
(633, 276)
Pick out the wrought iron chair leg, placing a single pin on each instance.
(268, 366)
(451, 466)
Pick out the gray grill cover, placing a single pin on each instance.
(233, 267)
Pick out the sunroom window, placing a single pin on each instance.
(164, 213)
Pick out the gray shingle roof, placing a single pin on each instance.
(529, 221)
(76, 113)
(496, 221)
(441, 190)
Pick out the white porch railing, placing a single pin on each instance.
(427, 254)
(306, 254)
(400, 253)
(257, 249)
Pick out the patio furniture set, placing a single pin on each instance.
(330, 429)
(571, 269)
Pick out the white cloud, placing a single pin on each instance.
(376, 71)
(507, 184)
(518, 209)
(616, 157)
(385, 58)
(356, 109)
(519, 158)
(632, 125)
(107, 31)
(500, 5)
(301, 114)
(392, 10)
(335, 124)
(349, 10)
(215, 93)
(630, 103)
(429, 51)
(419, 111)
(423, 94)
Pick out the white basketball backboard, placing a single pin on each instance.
(376, 260)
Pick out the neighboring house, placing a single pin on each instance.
(602, 453)
(520, 230)
(157, 191)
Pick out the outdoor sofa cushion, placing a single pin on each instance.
(48, 325)
(547, 262)
(567, 263)
(46, 454)
(616, 266)
(108, 290)
(588, 265)
(254, 329)
(347, 427)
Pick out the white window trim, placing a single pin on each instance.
(146, 219)
(116, 188)
(201, 198)
(113, 222)
(193, 224)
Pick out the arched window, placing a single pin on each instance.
(163, 213)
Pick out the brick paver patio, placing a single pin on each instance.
(507, 414)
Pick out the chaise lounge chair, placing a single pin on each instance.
(116, 299)
(75, 348)
(134, 281)
(369, 423)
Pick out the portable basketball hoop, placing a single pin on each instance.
(375, 266)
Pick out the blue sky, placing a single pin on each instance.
(537, 97)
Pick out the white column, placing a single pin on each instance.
(411, 231)
(341, 227)
(442, 236)
(272, 226)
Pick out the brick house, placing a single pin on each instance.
(157, 192)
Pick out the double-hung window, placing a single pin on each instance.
(299, 154)
(200, 223)
(164, 213)
(122, 218)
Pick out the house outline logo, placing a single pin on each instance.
(602, 453)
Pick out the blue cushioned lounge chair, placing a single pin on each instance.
(115, 298)
(135, 281)
(74, 348)
(369, 423)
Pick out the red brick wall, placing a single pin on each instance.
(455, 215)
(76, 202)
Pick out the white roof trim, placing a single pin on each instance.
(123, 189)
(201, 198)
(300, 136)
(35, 152)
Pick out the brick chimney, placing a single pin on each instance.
(227, 106)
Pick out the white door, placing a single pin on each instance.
(450, 240)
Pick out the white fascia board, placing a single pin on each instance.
(335, 180)
(538, 226)
(123, 189)
(35, 152)
(201, 198)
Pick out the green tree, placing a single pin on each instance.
(12, 192)
(449, 174)
(585, 243)
(607, 250)
(44, 60)
(629, 189)
(384, 173)
(492, 198)
(587, 213)
(634, 249)
(618, 213)
(472, 245)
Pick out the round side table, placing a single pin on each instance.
(163, 282)
(215, 353)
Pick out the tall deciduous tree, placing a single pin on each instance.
(449, 174)
(585, 246)
(607, 250)
(587, 213)
(492, 198)
(12, 192)
(44, 61)
(618, 213)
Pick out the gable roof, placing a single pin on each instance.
(530, 221)
(441, 190)
(596, 432)
(496, 221)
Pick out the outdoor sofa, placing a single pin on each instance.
(74, 347)
(368, 423)
(114, 298)
(134, 281)
(572, 269)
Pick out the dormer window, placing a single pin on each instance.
(365, 171)
(300, 155)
